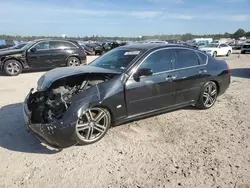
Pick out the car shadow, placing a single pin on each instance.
(14, 134)
(242, 72)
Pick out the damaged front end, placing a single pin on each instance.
(52, 113)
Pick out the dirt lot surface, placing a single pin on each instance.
(184, 148)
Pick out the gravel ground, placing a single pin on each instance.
(184, 148)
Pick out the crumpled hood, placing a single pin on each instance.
(11, 52)
(49, 77)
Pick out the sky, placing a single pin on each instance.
(122, 17)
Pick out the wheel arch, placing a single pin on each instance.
(4, 59)
(217, 85)
(74, 55)
(108, 109)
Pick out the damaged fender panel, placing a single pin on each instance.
(50, 105)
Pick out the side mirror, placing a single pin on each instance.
(33, 50)
(142, 72)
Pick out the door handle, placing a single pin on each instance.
(171, 78)
(202, 71)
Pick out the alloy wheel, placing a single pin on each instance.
(92, 125)
(13, 68)
(74, 62)
(209, 95)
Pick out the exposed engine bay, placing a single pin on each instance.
(50, 105)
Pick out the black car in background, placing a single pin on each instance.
(93, 48)
(245, 48)
(7, 43)
(42, 54)
(79, 104)
(18, 46)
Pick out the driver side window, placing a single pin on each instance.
(159, 61)
(42, 46)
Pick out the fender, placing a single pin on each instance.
(18, 57)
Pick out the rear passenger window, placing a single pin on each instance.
(61, 45)
(203, 58)
(70, 45)
(159, 61)
(186, 58)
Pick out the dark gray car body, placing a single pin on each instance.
(126, 98)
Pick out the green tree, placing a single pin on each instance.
(239, 33)
(248, 34)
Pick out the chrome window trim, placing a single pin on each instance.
(173, 70)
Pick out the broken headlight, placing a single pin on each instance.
(40, 82)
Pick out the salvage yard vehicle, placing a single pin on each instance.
(215, 49)
(77, 105)
(18, 46)
(93, 48)
(42, 54)
(245, 48)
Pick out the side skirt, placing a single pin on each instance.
(152, 113)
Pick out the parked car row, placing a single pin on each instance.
(42, 54)
(245, 48)
(101, 47)
(17, 46)
(7, 43)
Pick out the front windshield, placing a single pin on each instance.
(212, 45)
(117, 59)
(28, 45)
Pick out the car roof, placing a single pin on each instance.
(51, 39)
(150, 46)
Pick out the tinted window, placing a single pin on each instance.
(42, 46)
(223, 45)
(159, 61)
(203, 58)
(70, 45)
(186, 58)
(246, 46)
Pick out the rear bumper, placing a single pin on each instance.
(224, 83)
(83, 60)
(52, 134)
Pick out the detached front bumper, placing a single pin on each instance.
(56, 134)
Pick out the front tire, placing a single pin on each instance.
(92, 125)
(12, 67)
(229, 53)
(208, 96)
(215, 54)
(73, 62)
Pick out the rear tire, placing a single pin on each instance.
(243, 52)
(12, 67)
(73, 62)
(208, 96)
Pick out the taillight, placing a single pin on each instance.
(228, 69)
(84, 51)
